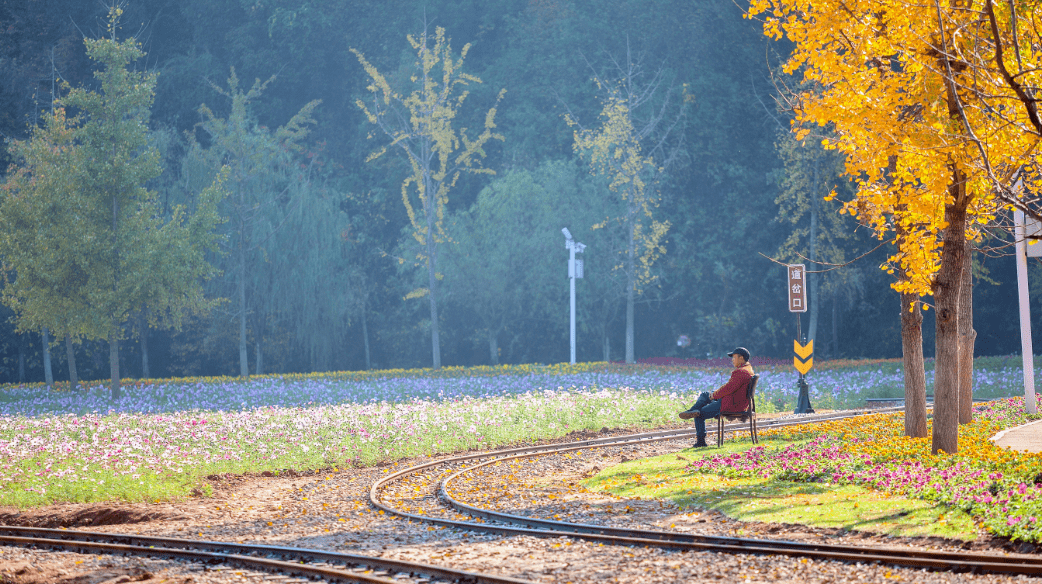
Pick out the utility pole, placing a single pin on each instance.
(1020, 236)
(575, 270)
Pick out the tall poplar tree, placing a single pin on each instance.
(419, 125)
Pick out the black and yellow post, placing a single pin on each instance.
(803, 361)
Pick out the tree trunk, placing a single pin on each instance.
(365, 339)
(435, 341)
(493, 347)
(812, 291)
(631, 283)
(607, 348)
(21, 359)
(835, 326)
(967, 336)
(70, 355)
(143, 331)
(630, 293)
(48, 375)
(258, 350)
(114, 385)
(436, 349)
(244, 366)
(914, 368)
(430, 207)
(946, 288)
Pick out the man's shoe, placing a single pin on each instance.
(701, 442)
(688, 414)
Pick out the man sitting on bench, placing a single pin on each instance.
(730, 398)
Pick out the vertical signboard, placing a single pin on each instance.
(797, 288)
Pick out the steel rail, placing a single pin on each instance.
(916, 558)
(243, 555)
(636, 438)
(936, 560)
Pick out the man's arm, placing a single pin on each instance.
(738, 382)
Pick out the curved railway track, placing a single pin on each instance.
(289, 561)
(459, 515)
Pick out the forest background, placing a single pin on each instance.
(332, 278)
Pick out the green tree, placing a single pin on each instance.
(632, 148)
(106, 251)
(43, 240)
(419, 124)
(818, 235)
(313, 266)
(503, 266)
(263, 180)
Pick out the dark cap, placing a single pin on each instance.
(740, 351)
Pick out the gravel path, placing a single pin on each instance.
(329, 510)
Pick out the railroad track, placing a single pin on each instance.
(288, 561)
(453, 513)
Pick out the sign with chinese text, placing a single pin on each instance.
(797, 288)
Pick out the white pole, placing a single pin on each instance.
(1020, 235)
(571, 283)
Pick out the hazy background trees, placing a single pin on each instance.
(325, 289)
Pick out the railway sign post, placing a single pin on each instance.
(804, 358)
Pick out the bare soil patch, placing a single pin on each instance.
(58, 571)
(87, 515)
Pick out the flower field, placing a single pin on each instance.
(999, 487)
(164, 435)
(836, 384)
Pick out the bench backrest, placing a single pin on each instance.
(750, 391)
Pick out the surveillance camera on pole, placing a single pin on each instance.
(575, 270)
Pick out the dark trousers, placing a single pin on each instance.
(708, 408)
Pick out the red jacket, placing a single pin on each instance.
(732, 395)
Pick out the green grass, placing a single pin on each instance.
(847, 507)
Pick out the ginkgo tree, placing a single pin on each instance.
(417, 116)
(634, 145)
(933, 105)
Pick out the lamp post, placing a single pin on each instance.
(575, 270)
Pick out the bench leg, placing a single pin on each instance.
(719, 431)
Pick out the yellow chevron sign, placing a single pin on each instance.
(803, 351)
(804, 358)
